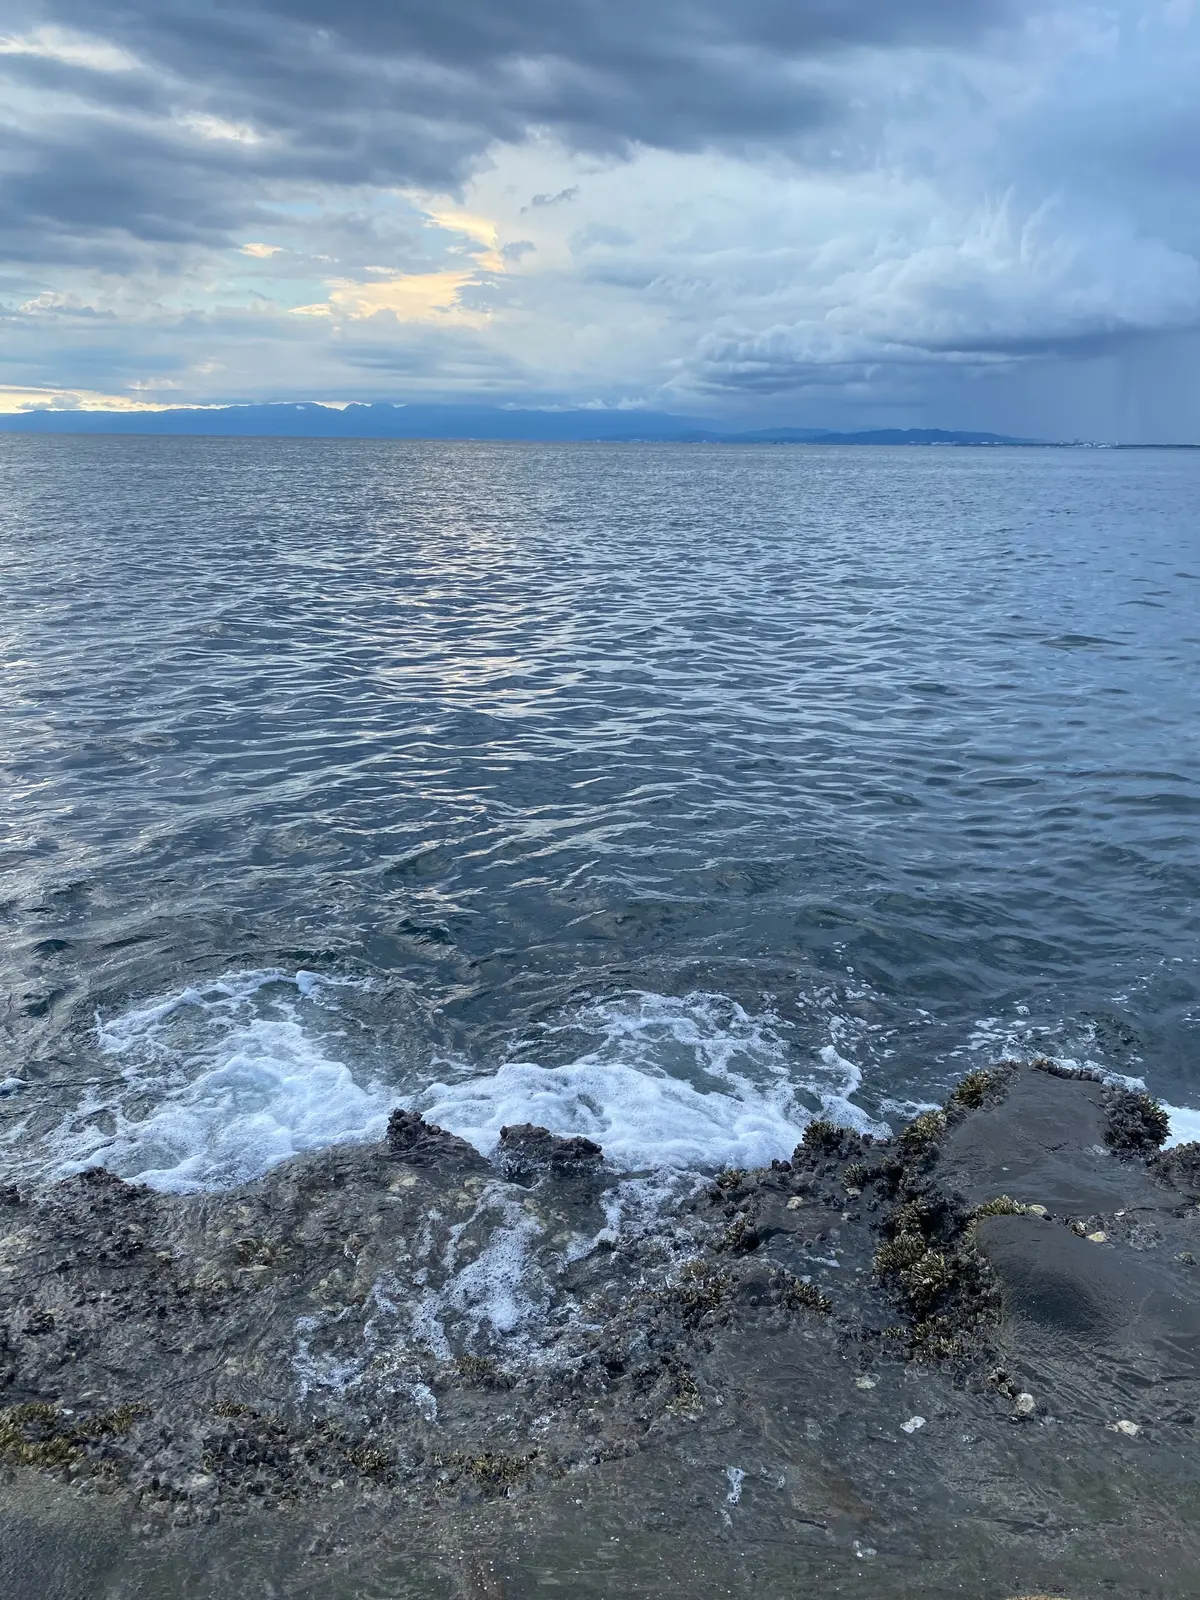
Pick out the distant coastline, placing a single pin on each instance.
(463, 422)
(497, 424)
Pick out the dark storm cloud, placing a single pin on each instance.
(71, 196)
(409, 92)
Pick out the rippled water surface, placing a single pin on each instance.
(666, 793)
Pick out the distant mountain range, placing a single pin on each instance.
(310, 420)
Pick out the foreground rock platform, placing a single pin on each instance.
(965, 1361)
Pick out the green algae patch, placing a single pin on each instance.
(493, 1471)
(38, 1434)
(481, 1372)
(1002, 1206)
(930, 1265)
(797, 1295)
(701, 1288)
(923, 1133)
(822, 1137)
(985, 1086)
(740, 1237)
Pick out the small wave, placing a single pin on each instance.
(691, 1082)
(219, 1083)
(641, 1120)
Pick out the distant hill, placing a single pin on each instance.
(883, 436)
(309, 420)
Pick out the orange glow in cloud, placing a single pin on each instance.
(15, 400)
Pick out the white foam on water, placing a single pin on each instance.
(483, 1285)
(642, 1121)
(219, 1082)
(692, 1082)
(235, 1085)
(1185, 1125)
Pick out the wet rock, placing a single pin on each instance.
(413, 1139)
(1180, 1168)
(528, 1152)
(1099, 1307)
(1137, 1124)
(412, 1327)
(1049, 1277)
(1046, 1143)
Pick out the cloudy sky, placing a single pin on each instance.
(957, 213)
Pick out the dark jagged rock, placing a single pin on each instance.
(1179, 1168)
(1137, 1125)
(527, 1151)
(1069, 1071)
(411, 1137)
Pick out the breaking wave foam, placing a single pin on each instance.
(231, 1083)
(682, 1083)
(220, 1082)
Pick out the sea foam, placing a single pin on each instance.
(219, 1083)
(676, 1082)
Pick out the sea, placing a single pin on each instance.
(666, 794)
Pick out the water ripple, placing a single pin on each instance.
(509, 728)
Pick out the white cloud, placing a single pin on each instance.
(408, 296)
(995, 286)
(219, 128)
(72, 49)
(15, 399)
(50, 303)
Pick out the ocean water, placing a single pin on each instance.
(669, 795)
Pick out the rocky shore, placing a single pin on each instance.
(965, 1361)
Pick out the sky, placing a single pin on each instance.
(822, 213)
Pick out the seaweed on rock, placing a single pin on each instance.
(1137, 1123)
(39, 1434)
(984, 1086)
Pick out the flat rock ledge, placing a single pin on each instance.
(955, 1323)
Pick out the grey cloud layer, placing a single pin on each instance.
(866, 202)
(372, 92)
